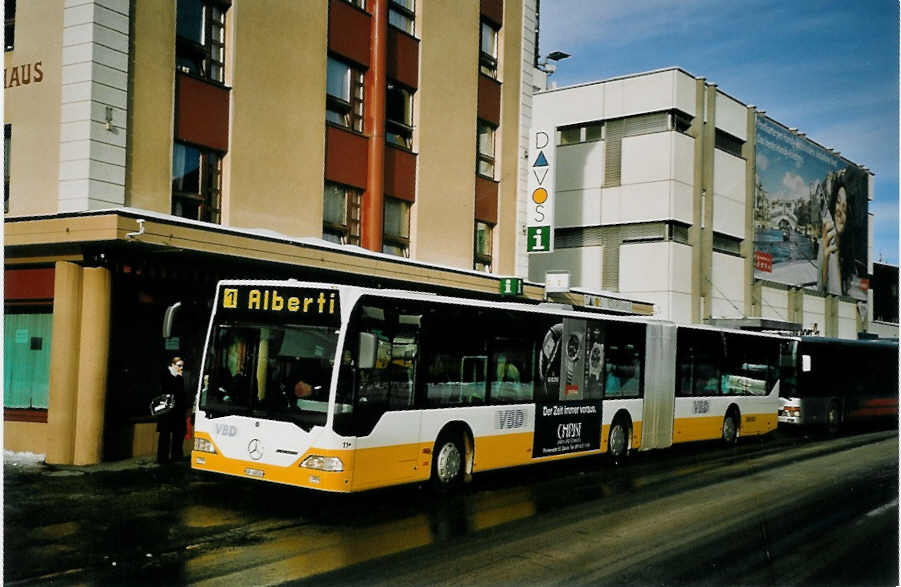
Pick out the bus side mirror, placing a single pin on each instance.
(367, 350)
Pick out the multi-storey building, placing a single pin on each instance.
(152, 148)
(667, 188)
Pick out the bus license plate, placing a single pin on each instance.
(253, 472)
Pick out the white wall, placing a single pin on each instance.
(729, 194)
(615, 98)
(579, 175)
(814, 312)
(774, 303)
(659, 272)
(731, 116)
(847, 320)
(584, 264)
(728, 291)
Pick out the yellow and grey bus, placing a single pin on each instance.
(344, 389)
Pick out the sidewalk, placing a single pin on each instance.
(21, 464)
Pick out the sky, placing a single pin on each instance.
(826, 67)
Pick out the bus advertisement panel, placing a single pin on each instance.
(810, 215)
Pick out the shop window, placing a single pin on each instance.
(26, 360)
(488, 49)
(396, 231)
(485, 150)
(728, 143)
(341, 214)
(196, 182)
(482, 248)
(344, 95)
(399, 115)
(7, 144)
(200, 39)
(401, 15)
(10, 31)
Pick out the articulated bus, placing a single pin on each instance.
(833, 381)
(343, 389)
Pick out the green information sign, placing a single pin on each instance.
(511, 286)
(538, 239)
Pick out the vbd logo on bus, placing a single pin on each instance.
(507, 419)
(226, 430)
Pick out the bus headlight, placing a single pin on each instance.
(320, 463)
(203, 445)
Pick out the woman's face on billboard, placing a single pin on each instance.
(841, 210)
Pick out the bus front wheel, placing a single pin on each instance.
(447, 462)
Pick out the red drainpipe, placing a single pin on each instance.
(374, 100)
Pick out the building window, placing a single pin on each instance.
(10, 16)
(26, 359)
(570, 135)
(401, 14)
(680, 121)
(399, 115)
(729, 245)
(482, 248)
(344, 95)
(728, 143)
(7, 143)
(196, 183)
(488, 49)
(341, 214)
(200, 39)
(396, 231)
(485, 150)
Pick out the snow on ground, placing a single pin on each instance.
(23, 460)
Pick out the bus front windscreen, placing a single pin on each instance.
(278, 372)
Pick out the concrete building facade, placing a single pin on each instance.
(669, 189)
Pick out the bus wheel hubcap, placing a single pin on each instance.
(729, 429)
(617, 440)
(449, 462)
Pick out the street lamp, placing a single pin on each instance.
(549, 68)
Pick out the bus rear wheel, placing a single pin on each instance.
(447, 462)
(730, 428)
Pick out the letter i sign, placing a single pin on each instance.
(538, 238)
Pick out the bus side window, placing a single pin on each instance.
(698, 363)
(622, 361)
(456, 373)
(510, 370)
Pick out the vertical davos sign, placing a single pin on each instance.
(540, 219)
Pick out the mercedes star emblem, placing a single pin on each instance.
(255, 448)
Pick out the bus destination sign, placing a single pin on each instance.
(283, 303)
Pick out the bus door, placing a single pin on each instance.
(386, 426)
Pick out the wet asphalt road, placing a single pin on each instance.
(788, 510)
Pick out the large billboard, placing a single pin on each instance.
(810, 215)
